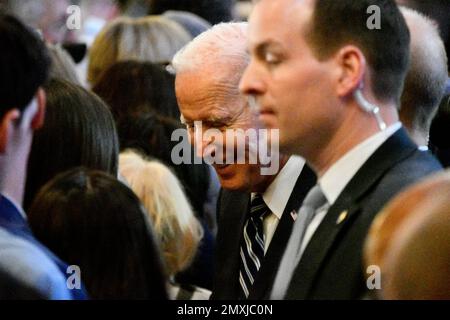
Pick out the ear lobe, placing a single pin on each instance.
(5, 124)
(38, 119)
(353, 66)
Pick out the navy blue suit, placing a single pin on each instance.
(14, 228)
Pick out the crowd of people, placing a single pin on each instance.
(96, 204)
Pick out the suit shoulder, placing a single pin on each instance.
(412, 169)
(406, 172)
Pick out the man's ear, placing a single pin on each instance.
(352, 65)
(38, 119)
(6, 122)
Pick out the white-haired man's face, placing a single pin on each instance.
(210, 96)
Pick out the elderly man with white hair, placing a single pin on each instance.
(255, 211)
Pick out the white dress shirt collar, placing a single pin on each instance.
(279, 191)
(341, 172)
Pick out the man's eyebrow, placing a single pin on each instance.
(263, 47)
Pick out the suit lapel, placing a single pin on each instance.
(346, 207)
(234, 206)
(266, 274)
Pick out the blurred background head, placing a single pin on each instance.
(162, 195)
(132, 88)
(409, 240)
(189, 21)
(47, 16)
(213, 11)
(79, 131)
(439, 11)
(418, 263)
(63, 67)
(90, 219)
(151, 39)
(426, 79)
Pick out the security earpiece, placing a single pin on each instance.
(369, 107)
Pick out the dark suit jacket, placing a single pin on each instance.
(13, 289)
(13, 221)
(331, 265)
(233, 208)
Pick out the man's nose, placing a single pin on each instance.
(251, 82)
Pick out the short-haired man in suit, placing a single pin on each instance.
(439, 12)
(426, 79)
(329, 75)
(24, 65)
(255, 211)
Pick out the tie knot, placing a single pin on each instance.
(315, 198)
(258, 207)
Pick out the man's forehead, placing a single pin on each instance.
(272, 19)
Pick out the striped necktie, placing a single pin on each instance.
(252, 244)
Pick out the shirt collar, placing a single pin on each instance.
(341, 172)
(279, 191)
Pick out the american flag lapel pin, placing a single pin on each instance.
(294, 215)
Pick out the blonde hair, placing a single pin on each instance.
(162, 195)
(152, 39)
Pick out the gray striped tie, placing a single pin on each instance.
(252, 244)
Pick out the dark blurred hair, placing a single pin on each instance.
(131, 88)
(193, 24)
(151, 134)
(337, 23)
(214, 11)
(92, 220)
(79, 131)
(24, 64)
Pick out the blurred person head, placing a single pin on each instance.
(390, 219)
(416, 254)
(96, 14)
(79, 131)
(189, 21)
(162, 195)
(63, 66)
(214, 11)
(316, 67)
(131, 88)
(95, 222)
(152, 135)
(426, 80)
(134, 8)
(439, 11)
(208, 71)
(24, 69)
(152, 39)
(47, 16)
